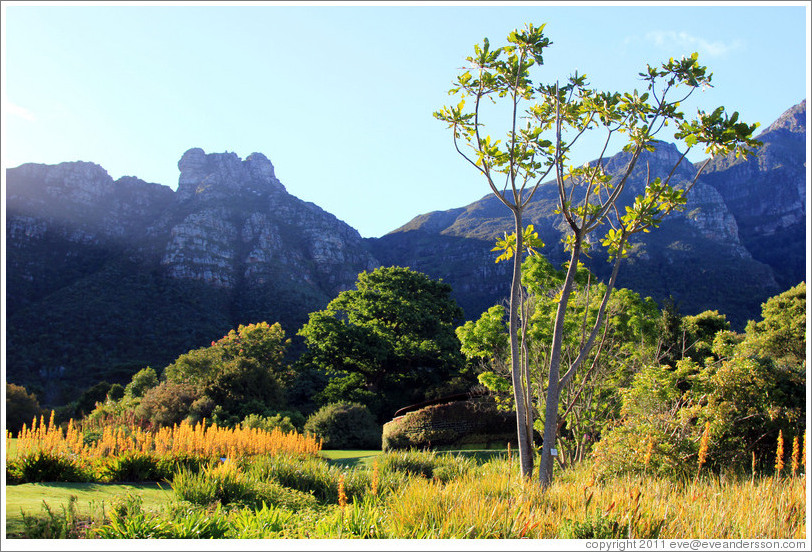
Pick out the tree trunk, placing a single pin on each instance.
(522, 412)
(553, 388)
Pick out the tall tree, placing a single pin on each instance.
(392, 338)
(543, 124)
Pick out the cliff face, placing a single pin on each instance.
(766, 193)
(234, 225)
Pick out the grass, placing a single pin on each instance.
(351, 458)
(476, 496)
(29, 498)
(366, 458)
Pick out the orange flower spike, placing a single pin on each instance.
(779, 454)
(796, 455)
(342, 495)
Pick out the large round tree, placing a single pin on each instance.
(389, 342)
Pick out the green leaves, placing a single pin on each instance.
(719, 132)
(486, 338)
(494, 74)
(395, 329)
(507, 244)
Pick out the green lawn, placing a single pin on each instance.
(351, 458)
(90, 498)
(365, 458)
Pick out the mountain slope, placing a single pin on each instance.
(766, 193)
(105, 277)
(740, 240)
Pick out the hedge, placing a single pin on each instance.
(451, 424)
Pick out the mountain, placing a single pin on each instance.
(740, 240)
(766, 193)
(107, 276)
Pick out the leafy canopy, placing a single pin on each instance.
(395, 330)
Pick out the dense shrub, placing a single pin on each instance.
(221, 482)
(242, 373)
(243, 382)
(88, 399)
(265, 523)
(141, 382)
(134, 466)
(21, 407)
(451, 424)
(172, 463)
(284, 421)
(66, 524)
(598, 526)
(746, 391)
(310, 475)
(138, 526)
(273, 493)
(168, 403)
(43, 466)
(345, 426)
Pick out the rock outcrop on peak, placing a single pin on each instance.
(219, 176)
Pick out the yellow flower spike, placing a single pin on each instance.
(779, 454)
(796, 455)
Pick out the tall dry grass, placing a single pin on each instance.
(491, 503)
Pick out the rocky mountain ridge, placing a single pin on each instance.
(104, 276)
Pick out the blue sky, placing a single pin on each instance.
(340, 97)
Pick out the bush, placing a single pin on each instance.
(310, 475)
(200, 524)
(241, 385)
(21, 407)
(43, 466)
(345, 426)
(67, 525)
(168, 403)
(280, 420)
(170, 464)
(593, 527)
(443, 467)
(221, 482)
(138, 526)
(265, 523)
(88, 399)
(132, 467)
(141, 382)
(272, 493)
(450, 424)
(116, 392)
